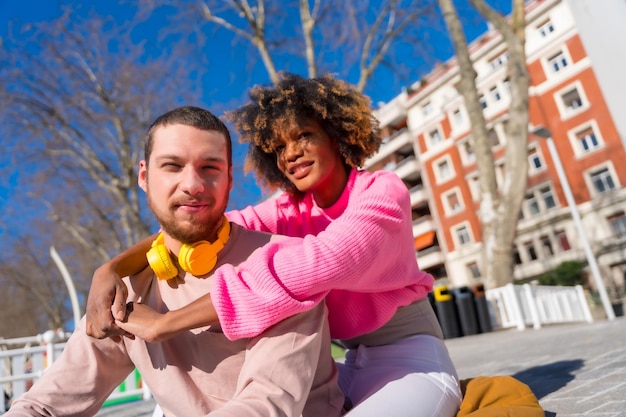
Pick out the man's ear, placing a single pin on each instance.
(142, 177)
(230, 178)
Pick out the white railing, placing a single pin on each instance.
(23, 360)
(535, 305)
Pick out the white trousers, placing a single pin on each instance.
(414, 377)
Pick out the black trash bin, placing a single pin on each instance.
(464, 300)
(446, 312)
(482, 309)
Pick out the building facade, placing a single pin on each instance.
(428, 143)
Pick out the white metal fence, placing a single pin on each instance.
(23, 360)
(535, 305)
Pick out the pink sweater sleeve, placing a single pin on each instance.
(356, 252)
(263, 217)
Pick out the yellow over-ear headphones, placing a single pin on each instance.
(197, 259)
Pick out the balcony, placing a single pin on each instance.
(418, 195)
(423, 225)
(430, 257)
(408, 167)
(392, 112)
(400, 141)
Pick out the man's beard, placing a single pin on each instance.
(190, 232)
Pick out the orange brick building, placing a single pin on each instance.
(580, 100)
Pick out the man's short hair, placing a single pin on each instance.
(189, 116)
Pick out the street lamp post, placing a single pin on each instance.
(543, 132)
(68, 283)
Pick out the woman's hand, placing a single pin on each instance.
(145, 323)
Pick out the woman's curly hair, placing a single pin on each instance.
(343, 112)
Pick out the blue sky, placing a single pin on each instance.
(224, 87)
(231, 71)
(221, 90)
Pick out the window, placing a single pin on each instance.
(534, 160)
(572, 100)
(530, 251)
(463, 236)
(467, 152)
(458, 116)
(427, 109)
(473, 270)
(507, 85)
(499, 61)
(547, 197)
(546, 246)
(435, 137)
(545, 28)
(474, 186)
(602, 180)
(531, 204)
(587, 139)
(538, 200)
(452, 202)
(516, 258)
(561, 237)
(492, 138)
(618, 223)
(444, 170)
(499, 168)
(558, 62)
(495, 94)
(420, 212)
(483, 101)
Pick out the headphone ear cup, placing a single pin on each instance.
(199, 258)
(160, 262)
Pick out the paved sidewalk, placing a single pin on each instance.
(573, 369)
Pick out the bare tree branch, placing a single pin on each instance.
(333, 25)
(256, 22)
(372, 55)
(307, 19)
(76, 98)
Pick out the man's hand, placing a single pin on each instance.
(145, 323)
(106, 301)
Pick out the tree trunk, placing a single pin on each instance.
(500, 204)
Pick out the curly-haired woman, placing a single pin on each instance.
(308, 137)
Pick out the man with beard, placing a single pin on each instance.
(286, 371)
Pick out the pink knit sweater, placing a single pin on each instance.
(358, 253)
